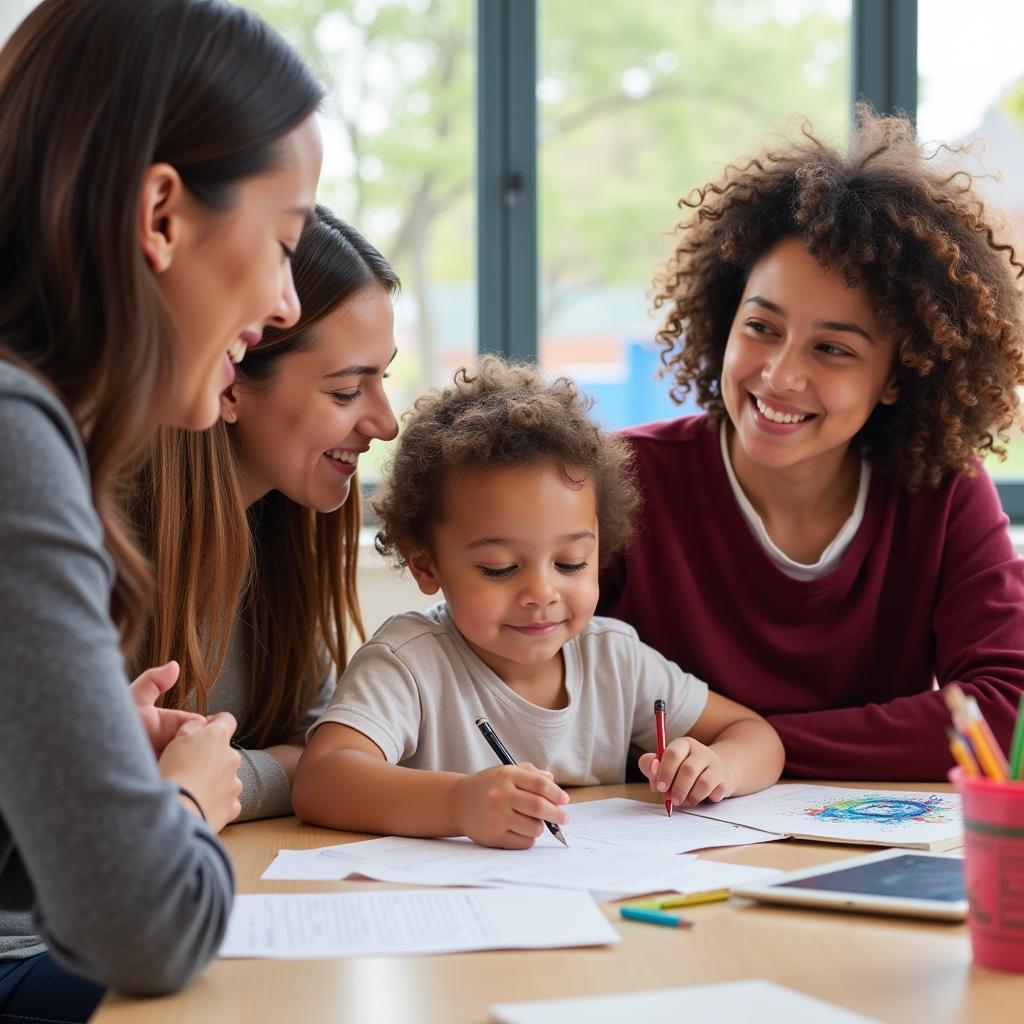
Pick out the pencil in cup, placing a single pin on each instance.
(961, 751)
(1017, 744)
(506, 758)
(971, 724)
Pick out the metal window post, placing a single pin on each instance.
(885, 55)
(507, 177)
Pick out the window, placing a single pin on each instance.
(399, 154)
(971, 89)
(637, 105)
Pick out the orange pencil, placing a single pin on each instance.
(962, 752)
(970, 722)
(986, 747)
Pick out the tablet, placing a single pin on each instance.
(913, 883)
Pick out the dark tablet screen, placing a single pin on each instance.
(907, 876)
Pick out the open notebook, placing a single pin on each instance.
(874, 817)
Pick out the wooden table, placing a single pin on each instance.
(892, 969)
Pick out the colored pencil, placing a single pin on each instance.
(680, 900)
(1017, 746)
(655, 917)
(962, 752)
(970, 723)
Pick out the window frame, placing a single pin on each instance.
(884, 73)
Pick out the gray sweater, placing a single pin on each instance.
(265, 789)
(96, 854)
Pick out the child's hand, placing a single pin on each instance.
(689, 773)
(507, 805)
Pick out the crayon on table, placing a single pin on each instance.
(680, 900)
(655, 917)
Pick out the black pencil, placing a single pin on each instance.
(506, 758)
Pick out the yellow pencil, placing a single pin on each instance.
(681, 899)
(985, 748)
(962, 752)
(970, 723)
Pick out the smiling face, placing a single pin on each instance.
(805, 365)
(228, 274)
(516, 558)
(302, 432)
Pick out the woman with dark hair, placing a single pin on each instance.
(253, 526)
(157, 164)
(824, 544)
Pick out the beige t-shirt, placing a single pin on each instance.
(416, 689)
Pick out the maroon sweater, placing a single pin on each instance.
(843, 666)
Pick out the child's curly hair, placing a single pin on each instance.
(501, 415)
(915, 235)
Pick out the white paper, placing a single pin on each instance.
(735, 1002)
(646, 826)
(606, 869)
(399, 923)
(878, 816)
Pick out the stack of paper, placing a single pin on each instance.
(311, 926)
(617, 848)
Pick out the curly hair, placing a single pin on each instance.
(501, 415)
(887, 216)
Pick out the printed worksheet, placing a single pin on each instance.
(610, 870)
(878, 817)
(320, 925)
(638, 825)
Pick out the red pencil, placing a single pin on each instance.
(659, 724)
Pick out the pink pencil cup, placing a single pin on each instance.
(994, 868)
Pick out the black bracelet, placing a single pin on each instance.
(188, 795)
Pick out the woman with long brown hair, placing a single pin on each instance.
(157, 163)
(253, 526)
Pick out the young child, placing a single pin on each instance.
(504, 496)
(823, 544)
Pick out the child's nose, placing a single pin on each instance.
(538, 588)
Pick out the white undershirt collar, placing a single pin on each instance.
(831, 556)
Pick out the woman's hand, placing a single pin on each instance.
(161, 724)
(507, 805)
(690, 773)
(201, 758)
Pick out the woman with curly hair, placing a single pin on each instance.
(504, 496)
(823, 543)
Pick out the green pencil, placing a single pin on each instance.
(1017, 745)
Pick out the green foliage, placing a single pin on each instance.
(650, 99)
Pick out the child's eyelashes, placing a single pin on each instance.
(501, 572)
(571, 566)
(289, 254)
